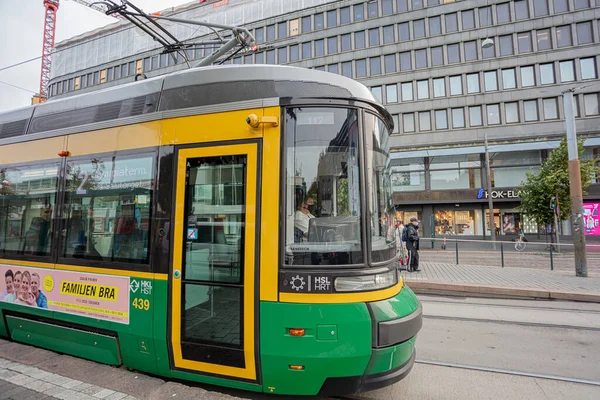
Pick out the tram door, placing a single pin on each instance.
(213, 285)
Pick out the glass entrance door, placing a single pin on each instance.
(213, 285)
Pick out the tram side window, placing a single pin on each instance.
(27, 204)
(322, 187)
(381, 206)
(107, 202)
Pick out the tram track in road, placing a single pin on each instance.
(488, 304)
(503, 322)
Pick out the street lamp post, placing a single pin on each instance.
(489, 191)
(575, 187)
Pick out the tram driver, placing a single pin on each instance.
(302, 218)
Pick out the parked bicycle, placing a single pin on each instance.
(521, 242)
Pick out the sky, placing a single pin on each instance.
(21, 30)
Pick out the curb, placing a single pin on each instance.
(483, 290)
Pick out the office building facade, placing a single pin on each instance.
(426, 61)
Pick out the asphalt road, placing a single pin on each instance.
(494, 347)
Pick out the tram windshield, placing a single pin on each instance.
(323, 195)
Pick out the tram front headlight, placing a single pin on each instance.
(365, 283)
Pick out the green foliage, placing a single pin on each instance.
(553, 179)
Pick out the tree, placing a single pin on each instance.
(553, 180)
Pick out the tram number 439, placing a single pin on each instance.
(141, 304)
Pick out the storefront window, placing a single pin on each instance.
(458, 222)
(456, 179)
(510, 222)
(404, 217)
(511, 176)
(408, 175)
(509, 169)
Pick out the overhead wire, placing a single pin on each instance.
(18, 87)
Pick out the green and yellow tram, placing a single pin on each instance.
(229, 225)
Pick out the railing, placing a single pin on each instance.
(515, 253)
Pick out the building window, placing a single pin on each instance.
(361, 68)
(294, 28)
(437, 56)
(591, 104)
(377, 93)
(422, 89)
(306, 26)
(271, 57)
(421, 58)
(509, 80)
(521, 9)
(475, 116)
(319, 21)
(332, 45)
(584, 33)
(419, 28)
(132, 68)
(408, 122)
(359, 40)
(282, 55)
(524, 39)
(485, 16)
(491, 81)
(319, 48)
(527, 76)
(451, 23)
(294, 52)
(320, 68)
(458, 118)
(306, 50)
(388, 34)
(270, 33)
(489, 52)
(117, 73)
(402, 5)
(543, 39)
(456, 85)
(561, 6)
(435, 26)
(259, 35)
(248, 59)
(506, 45)
(333, 68)
(390, 63)
(375, 65)
(405, 62)
(473, 83)
(531, 110)
(547, 74)
(155, 63)
(512, 112)
(259, 58)
(563, 36)
(346, 42)
(588, 68)
(579, 4)
(424, 121)
(471, 51)
(110, 75)
(331, 18)
(347, 69)
(550, 108)
(493, 114)
(468, 19)
(407, 91)
(403, 31)
(453, 53)
(441, 119)
(96, 79)
(344, 15)
(540, 8)
(503, 13)
(359, 12)
(391, 93)
(374, 37)
(373, 9)
(282, 30)
(439, 87)
(84, 80)
(386, 7)
(567, 71)
(417, 4)
(396, 123)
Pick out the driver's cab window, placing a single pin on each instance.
(322, 187)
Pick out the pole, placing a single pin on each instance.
(575, 187)
(556, 231)
(489, 191)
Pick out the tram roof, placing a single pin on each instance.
(181, 93)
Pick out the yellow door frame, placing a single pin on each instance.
(249, 298)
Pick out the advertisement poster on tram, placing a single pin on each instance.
(591, 219)
(88, 295)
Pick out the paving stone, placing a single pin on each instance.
(71, 384)
(81, 387)
(116, 396)
(104, 393)
(92, 390)
(7, 374)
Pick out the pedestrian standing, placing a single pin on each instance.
(412, 245)
(400, 243)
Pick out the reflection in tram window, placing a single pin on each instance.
(322, 187)
(27, 203)
(108, 203)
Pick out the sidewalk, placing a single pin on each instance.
(28, 372)
(436, 277)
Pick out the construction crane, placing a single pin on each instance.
(48, 45)
(93, 6)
